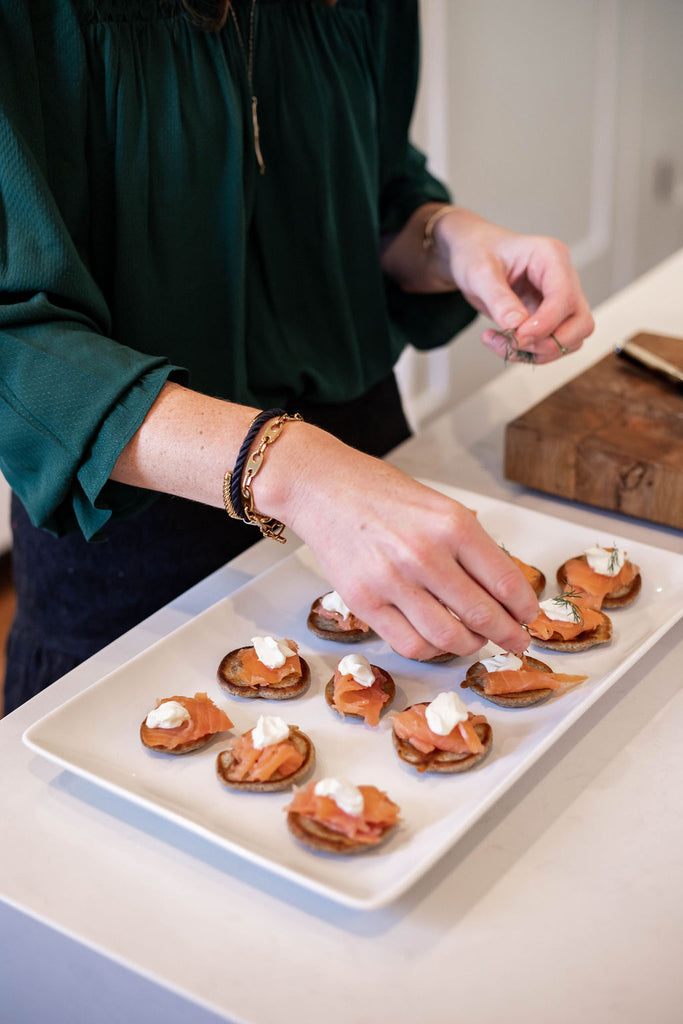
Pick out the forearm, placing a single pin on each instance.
(188, 441)
(399, 553)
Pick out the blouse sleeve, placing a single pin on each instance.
(426, 321)
(70, 396)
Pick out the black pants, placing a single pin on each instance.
(74, 597)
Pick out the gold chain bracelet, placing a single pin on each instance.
(268, 526)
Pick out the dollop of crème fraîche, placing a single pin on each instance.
(358, 667)
(560, 609)
(445, 712)
(332, 602)
(271, 652)
(347, 797)
(268, 730)
(169, 715)
(502, 662)
(605, 561)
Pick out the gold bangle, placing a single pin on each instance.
(229, 508)
(268, 526)
(428, 239)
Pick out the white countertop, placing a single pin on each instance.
(563, 903)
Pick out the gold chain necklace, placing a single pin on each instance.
(248, 55)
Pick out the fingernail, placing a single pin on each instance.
(530, 332)
(512, 320)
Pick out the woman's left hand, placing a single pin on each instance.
(526, 284)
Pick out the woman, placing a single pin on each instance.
(210, 210)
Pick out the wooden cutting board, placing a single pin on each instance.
(612, 437)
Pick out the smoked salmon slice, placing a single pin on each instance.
(532, 683)
(595, 586)
(205, 721)
(254, 673)
(411, 725)
(379, 813)
(367, 702)
(546, 628)
(344, 623)
(253, 765)
(523, 679)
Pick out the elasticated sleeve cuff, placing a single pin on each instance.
(95, 498)
(427, 321)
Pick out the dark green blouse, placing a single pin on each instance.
(138, 240)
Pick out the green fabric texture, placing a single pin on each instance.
(138, 240)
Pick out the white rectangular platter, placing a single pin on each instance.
(96, 734)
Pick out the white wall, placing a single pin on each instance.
(553, 118)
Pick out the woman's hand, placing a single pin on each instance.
(415, 565)
(525, 284)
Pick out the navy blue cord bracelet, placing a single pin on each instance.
(243, 455)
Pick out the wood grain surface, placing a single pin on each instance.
(612, 437)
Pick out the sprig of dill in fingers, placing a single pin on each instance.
(522, 355)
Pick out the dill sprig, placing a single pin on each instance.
(522, 355)
(513, 348)
(613, 562)
(566, 600)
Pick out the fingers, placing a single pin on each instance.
(561, 322)
(419, 626)
(403, 636)
(503, 584)
(412, 563)
(538, 345)
(421, 634)
(564, 340)
(457, 610)
(488, 290)
(539, 275)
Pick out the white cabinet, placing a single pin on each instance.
(553, 118)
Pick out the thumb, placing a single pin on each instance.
(490, 287)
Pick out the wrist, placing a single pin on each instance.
(443, 227)
(286, 485)
(433, 218)
(266, 428)
(452, 228)
(412, 257)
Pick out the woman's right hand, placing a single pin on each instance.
(412, 563)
